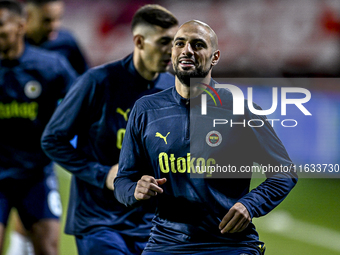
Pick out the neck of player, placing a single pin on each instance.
(142, 69)
(190, 91)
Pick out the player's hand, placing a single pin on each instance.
(236, 220)
(148, 187)
(111, 177)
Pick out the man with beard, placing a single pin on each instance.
(159, 161)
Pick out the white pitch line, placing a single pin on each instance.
(282, 223)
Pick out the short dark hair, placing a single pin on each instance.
(41, 2)
(153, 14)
(13, 6)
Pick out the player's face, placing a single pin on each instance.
(156, 53)
(10, 31)
(192, 52)
(46, 19)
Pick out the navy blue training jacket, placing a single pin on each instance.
(30, 88)
(96, 109)
(166, 137)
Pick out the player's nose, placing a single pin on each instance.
(188, 50)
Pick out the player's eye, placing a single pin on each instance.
(179, 43)
(199, 45)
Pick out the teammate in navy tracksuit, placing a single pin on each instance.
(167, 142)
(96, 109)
(43, 30)
(32, 81)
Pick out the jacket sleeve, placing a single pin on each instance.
(269, 152)
(132, 164)
(70, 118)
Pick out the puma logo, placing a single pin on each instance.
(163, 137)
(125, 114)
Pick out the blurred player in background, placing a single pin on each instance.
(96, 109)
(44, 30)
(32, 81)
(197, 215)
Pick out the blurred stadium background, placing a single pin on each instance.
(295, 41)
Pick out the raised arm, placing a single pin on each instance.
(269, 152)
(72, 118)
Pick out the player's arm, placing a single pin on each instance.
(70, 118)
(269, 151)
(237, 219)
(111, 176)
(134, 181)
(260, 201)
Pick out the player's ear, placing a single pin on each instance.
(215, 58)
(138, 41)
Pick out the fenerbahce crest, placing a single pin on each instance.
(32, 89)
(213, 138)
